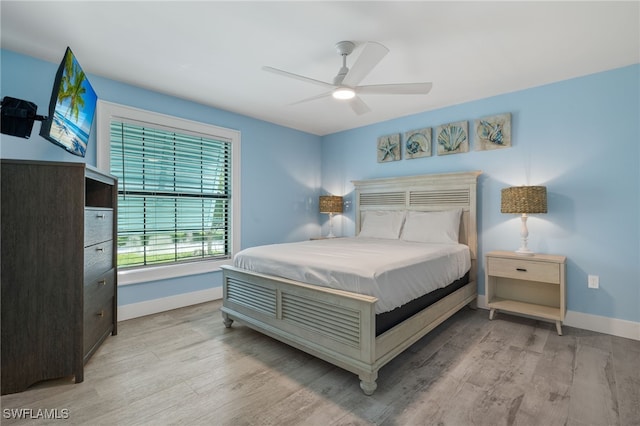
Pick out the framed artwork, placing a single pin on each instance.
(389, 148)
(453, 138)
(417, 143)
(493, 132)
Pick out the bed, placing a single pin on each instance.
(315, 311)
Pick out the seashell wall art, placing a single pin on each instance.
(453, 138)
(417, 143)
(489, 133)
(493, 132)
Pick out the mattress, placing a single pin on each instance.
(387, 320)
(394, 271)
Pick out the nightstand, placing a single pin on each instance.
(529, 285)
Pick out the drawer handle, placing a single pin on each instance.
(101, 314)
(521, 269)
(100, 249)
(102, 282)
(101, 216)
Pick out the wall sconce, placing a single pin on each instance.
(524, 200)
(330, 204)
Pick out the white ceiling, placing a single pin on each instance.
(212, 52)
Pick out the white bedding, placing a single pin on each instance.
(394, 271)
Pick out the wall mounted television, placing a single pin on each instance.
(71, 109)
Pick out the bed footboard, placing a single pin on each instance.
(339, 326)
(333, 325)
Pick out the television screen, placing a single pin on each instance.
(72, 108)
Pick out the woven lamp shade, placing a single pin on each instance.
(524, 199)
(330, 204)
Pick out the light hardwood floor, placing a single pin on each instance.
(184, 367)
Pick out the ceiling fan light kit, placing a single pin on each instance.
(343, 93)
(345, 83)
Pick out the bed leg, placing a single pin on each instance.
(473, 304)
(368, 383)
(226, 320)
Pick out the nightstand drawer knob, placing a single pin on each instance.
(521, 269)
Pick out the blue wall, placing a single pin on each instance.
(580, 138)
(280, 179)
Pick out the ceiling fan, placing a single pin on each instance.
(345, 83)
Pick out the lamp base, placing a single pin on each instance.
(524, 235)
(523, 251)
(330, 235)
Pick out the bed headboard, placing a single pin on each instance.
(424, 193)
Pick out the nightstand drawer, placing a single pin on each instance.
(524, 269)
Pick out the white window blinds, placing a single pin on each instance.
(174, 194)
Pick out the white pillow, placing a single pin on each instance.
(432, 227)
(382, 224)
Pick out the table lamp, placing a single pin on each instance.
(524, 200)
(330, 204)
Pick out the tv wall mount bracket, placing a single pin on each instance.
(18, 116)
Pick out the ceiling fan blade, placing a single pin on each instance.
(296, 76)
(370, 56)
(313, 98)
(358, 106)
(395, 89)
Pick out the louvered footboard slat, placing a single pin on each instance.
(339, 324)
(252, 296)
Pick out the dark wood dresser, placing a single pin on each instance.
(58, 276)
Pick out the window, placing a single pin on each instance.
(177, 191)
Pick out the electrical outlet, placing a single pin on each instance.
(593, 281)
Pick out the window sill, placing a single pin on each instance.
(156, 273)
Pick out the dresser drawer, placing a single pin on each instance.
(98, 321)
(98, 259)
(100, 287)
(98, 225)
(524, 269)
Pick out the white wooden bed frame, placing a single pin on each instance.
(339, 326)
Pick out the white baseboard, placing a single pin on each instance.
(135, 310)
(613, 326)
